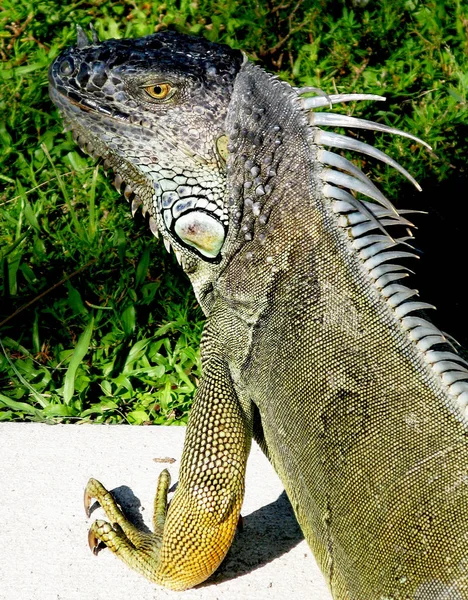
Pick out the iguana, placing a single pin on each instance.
(312, 345)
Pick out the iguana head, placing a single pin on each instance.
(154, 109)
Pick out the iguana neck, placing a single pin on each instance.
(287, 226)
(260, 169)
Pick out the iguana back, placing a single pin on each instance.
(312, 345)
(370, 446)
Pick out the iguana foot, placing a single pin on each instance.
(138, 549)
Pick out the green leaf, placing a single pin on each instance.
(28, 68)
(137, 417)
(35, 334)
(106, 387)
(59, 410)
(77, 162)
(136, 351)
(142, 268)
(79, 353)
(455, 95)
(128, 320)
(75, 301)
(183, 376)
(121, 243)
(19, 406)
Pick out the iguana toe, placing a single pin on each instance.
(93, 540)
(89, 494)
(103, 534)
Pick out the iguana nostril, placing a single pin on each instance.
(83, 75)
(67, 67)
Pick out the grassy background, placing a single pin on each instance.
(96, 321)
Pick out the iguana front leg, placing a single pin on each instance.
(189, 544)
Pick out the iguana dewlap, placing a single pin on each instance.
(312, 345)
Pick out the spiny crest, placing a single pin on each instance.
(377, 251)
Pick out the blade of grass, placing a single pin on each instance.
(63, 189)
(79, 353)
(38, 397)
(13, 246)
(92, 204)
(20, 406)
(33, 189)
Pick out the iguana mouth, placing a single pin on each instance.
(59, 95)
(83, 105)
(122, 184)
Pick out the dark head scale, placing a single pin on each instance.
(100, 69)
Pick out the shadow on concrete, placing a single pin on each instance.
(268, 533)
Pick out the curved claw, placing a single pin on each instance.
(118, 534)
(88, 496)
(93, 542)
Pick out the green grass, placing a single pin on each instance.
(96, 321)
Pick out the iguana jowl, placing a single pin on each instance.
(311, 345)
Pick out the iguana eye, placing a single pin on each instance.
(159, 91)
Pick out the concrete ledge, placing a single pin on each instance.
(43, 537)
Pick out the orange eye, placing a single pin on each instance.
(159, 91)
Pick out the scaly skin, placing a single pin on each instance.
(306, 347)
(204, 513)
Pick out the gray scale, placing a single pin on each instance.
(145, 160)
(167, 173)
(167, 185)
(167, 218)
(208, 183)
(168, 199)
(183, 191)
(183, 205)
(255, 171)
(256, 208)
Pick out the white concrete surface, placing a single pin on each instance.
(44, 553)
